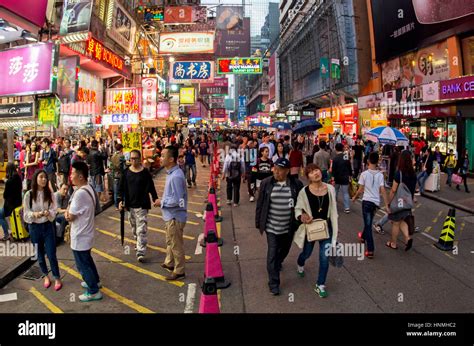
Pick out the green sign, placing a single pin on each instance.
(324, 67)
(239, 65)
(48, 111)
(335, 69)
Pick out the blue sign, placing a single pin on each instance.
(242, 108)
(119, 118)
(193, 71)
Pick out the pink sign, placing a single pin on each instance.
(218, 113)
(163, 110)
(149, 86)
(457, 88)
(32, 10)
(27, 70)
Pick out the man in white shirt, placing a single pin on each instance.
(371, 184)
(81, 214)
(266, 143)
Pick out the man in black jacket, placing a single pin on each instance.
(342, 171)
(275, 215)
(96, 161)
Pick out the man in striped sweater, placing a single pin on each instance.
(275, 215)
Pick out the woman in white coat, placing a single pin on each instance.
(316, 201)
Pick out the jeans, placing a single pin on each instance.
(86, 266)
(44, 236)
(233, 189)
(61, 220)
(323, 258)
(368, 213)
(191, 169)
(382, 221)
(450, 172)
(345, 194)
(278, 248)
(421, 180)
(116, 192)
(3, 222)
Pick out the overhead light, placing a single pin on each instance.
(150, 60)
(28, 36)
(171, 58)
(4, 25)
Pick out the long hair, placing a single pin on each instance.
(10, 170)
(405, 164)
(48, 195)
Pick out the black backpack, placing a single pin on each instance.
(64, 163)
(234, 169)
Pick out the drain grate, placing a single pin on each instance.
(34, 273)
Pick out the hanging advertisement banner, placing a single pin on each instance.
(68, 78)
(235, 42)
(239, 66)
(178, 14)
(163, 110)
(335, 69)
(187, 96)
(186, 42)
(48, 111)
(230, 18)
(123, 28)
(29, 70)
(131, 141)
(76, 16)
(219, 87)
(122, 100)
(149, 88)
(192, 71)
(324, 67)
(120, 119)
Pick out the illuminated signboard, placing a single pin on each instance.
(154, 14)
(186, 42)
(239, 66)
(98, 52)
(127, 100)
(187, 96)
(192, 71)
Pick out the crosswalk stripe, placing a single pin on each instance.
(161, 217)
(128, 240)
(46, 302)
(159, 230)
(128, 302)
(136, 268)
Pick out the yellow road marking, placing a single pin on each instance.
(53, 308)
(418, 205)
(109, 292)
(128, 240)
(158, 230)
(427, 229)
(136, 268)
(436, 219)
(161, 217)
(198, 203)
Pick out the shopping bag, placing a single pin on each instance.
(353, 187)
(456, 179)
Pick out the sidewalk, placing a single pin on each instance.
(452, 197)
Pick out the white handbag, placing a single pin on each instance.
(317, 230)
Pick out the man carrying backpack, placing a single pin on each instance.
(234, 168)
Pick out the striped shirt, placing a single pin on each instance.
(279, 213)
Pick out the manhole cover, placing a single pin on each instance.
(34, 273)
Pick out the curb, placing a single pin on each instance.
(447, 202)
(14, 271)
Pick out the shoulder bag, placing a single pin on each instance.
(317, 230)
(403, 199)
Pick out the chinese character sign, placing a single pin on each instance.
(27, 70)
(239, 66)
(125, 100)
(193, 71)
(219, 87)
(187, 96)
(149, 86)
(186, 42)
(131, 141)
(48, 111)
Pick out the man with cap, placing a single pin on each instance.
(275, 215)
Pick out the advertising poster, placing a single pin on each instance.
(239, 66)
(76, 16)
(234, 42)
(186, 42)
(48, 111)
(68, 81)
(230, 18)
(123, 28)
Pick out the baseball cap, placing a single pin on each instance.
(282, 162)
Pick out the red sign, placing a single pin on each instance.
(349, 113)
(86, 95)
(97, 51)
(179, 14)
(32, 10)
(218, 113)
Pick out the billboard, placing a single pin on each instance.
(68, 78)
(192, 71)
(235, 42)
(458, 88)
(239, 66)
(404, 25)
(28, 70)
(76, 16)
(149, 92)
(123, 28)
(163, 110)
(187, 96)
(219, 87)
(98, 52)
(123, 100)
(48, 111)
(154, 14)
(229, 18)
(186, 42)
(33, 11)
(178, 14)
(17, 110)
(218, 113)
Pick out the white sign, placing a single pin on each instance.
(431, 91)
(186, 42)
(149, 86)
(123, 28)
(120, 119)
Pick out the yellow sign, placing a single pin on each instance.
(48, 112)
(187, 96)
(327, 126)
(131, 141)
(377, 123)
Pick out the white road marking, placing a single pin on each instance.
(428, 236)
(190, 299)
(200, 240)
(8, 297)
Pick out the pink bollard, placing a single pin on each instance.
(210, 224)
(213, 200)
(209, 303)
(213, 264)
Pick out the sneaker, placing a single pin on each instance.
(87, 297)
(190, 186)
(275, 291)
(84, 285)
(229, 202)
(236, 204)
(378, 229)
(252, 199)
(300, 271)
(418, 193)
(321, 291)
(347, 211)
(141, 258)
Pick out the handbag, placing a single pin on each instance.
(317, 230)
(456, 179)
(403, 199)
